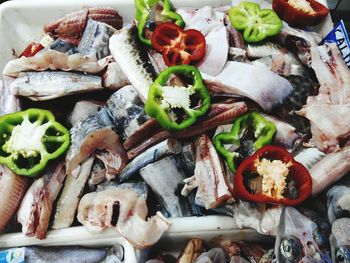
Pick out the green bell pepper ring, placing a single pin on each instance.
(29, 139)
(256, 23)
(165, 102)
(143, 10)
(264, 131)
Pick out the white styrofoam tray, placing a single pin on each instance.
(21, 22)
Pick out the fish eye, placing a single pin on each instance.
(342, 256)
(291, 249)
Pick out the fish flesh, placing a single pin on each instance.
(330, 169)
(151, 155)
(269, 91)
(338, 202)
(123, 210)
(34, 85)
(223, 114)
(298, 41)
(95, 133)
(141, 188)
(71, 27)
(209, 173)
(340, 241)
(82, 109)
(68, 201)
(295, 240)
(133, 60)
(127, 113)
(193, 249)
(12, 189)
(8, 102)
(165, 178)
(57, 254)
(211, 24)
(308, 156)
(36, 207)
(262, 218)
(114, 78)
(49, 59)
(95, 40)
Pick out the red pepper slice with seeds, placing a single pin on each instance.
(31, 49)
(276, 157)
(300, 13)
(178, 46)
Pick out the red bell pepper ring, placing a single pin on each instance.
(297, 17)
(32, 49)
(178, 46)
(297, 172)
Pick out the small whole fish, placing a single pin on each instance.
(340, 240)
(48, 85)
(338, 202)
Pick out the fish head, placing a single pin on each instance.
(340, 240)
(295, 241)
(338, 202)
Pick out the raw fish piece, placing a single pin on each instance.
(133, 59)
(36, 207)
(12, 189)
(165, 178)
(48, 85)
(267, 88)
(123, 210)
(69, 199)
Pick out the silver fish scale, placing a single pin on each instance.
(126, 111)
(95, 39)
(83, 128)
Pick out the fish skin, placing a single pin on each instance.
(153, 154)
(133, 59)
(91, 134)
(12, 189)
(68, 202)
(64, 254)
(35, 84)
(141, 188)
(95, 40)
(165, 178)
(36, 207)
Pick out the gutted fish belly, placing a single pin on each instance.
(124, 211)
(55, 60)
(35, 84)
(340, 240)
(338, 202)
(269, 90)
(8, 102)
(68, 202)
(133, 59)
(82, 110)
(63, 254)
(114, 78)
(91, 134)
(330, 169)
(141, 188)
(151, 155)
(209, 173)
(165, 178)
(35, 210)
(95, 39)
(12, 189)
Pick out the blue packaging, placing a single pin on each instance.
(13, 255)
(339, 36)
